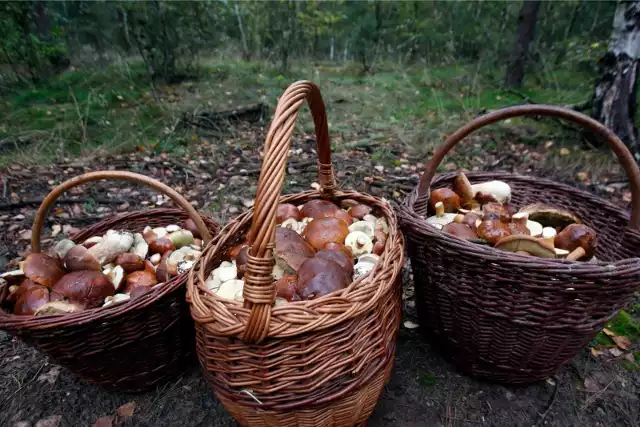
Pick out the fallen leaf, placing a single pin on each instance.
(126, 410)
(123, 207)
(379, 168)
(51, 421)
(315, 186)
(630, 357)
(591, 385)
(410, 325)
(596, 352)
(608, 332)
(548, 144)
(50, 376)
(22, 424)
(616, 352)
(450, 166)
(622, 342)
(550, 381)
(106, 421)
(25, 234)
(582, 176)
(18, 217)
(564, 152)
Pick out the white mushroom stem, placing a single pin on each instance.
(363, 226)
(549, 234)
(501, 191)
(113, 244)
(577, 253)
(439, 209)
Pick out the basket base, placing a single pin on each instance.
(349, 411)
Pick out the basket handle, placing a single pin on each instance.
(51, 198)
(622, 152)
(259, 290)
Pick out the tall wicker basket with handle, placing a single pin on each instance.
(516, 318)
(314, 363)
(128, 347)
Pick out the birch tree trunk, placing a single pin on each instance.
(614, 97)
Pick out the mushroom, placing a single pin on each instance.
(130, 262)
(321, 231)
(471, 219)
(31, 300)
(286, 288)
(116, 276)
(143, 278)
(440, 219)
(161, 245)
(59, 307)
(88, 288)
(286, 211)
(364, 226)
(462, 187)
(446, 196)
(317, 208)
(358, 243)
(365, 265)
(359, 211)
(518, 225)
(181, 255)
(79, 258)
(292, 224)
(190, 225)
(535, 228)
(549, 235)
(579, 240)
(550, 216)
(43, 269)
(91, 241)
(493, 230)
(333, 246)
(339, 257)
(16, 291)
(115, 299)
(291, 250)
(162, 270)
(462, 231)
(181, 238)
(494, 210)
(498, 190)
(62, 247)
(231, 289)
(160, 232)
(318, 277)
(531, 245)
(112, 244)
(172, 228)
(140, 246)
(379, 240)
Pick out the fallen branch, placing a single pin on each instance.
(37, 202)
(212, 120)
(554, 396)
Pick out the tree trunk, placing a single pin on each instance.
(524, 36)
(614, 97)
(243, 37)
(43, 26)
(124, 23)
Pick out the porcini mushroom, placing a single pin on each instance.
(550, 216)
(129, 262)
(180, 238)
(529, 244)
(190, 225)
(59, 307)
(31, 300)
(499, 190)
(342, 259)
(364, 226)
(535, 228)
(493, 230)
(287, 211)
(62, 247)
(365, 265)
(450, 200)
(462, 231)
(579, 240)
(318, 277)
(359, 211)
(231, 289)
(321, 231)
(116, 299)
(358, 243)
(79, 258)
(440, 219)
(317, 208)
(286, 288)
(43, 269)
(116, 276)
(142, 278)
(140, 246)
(112, 244)
(88, 288)
(462, 187)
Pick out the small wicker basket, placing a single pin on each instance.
(515, 318)
(320, 362)
(127, 347)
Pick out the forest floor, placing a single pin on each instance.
(383, 130)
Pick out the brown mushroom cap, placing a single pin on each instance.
(317, 208)
(162, 270)
(88, 288)
(79, 258)
(359, 211)
(31, 300)
(190, 225)
(144, 278)
(129, 262)
(577, 235)
(288, 240)
(318, 277)
(493, 230)
(334, 246)
(470, 219)
(449, 199)
(339, 257)
(43, 269)
(286, 287)
(460, 230)
(495, 210)
(462, 187)
(524, 243)
(162, 245)
(550, 216)
(23, 287)
(286, 211)
(321, 231)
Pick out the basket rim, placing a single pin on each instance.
(412, 222)
(14, 321)
(298, 317)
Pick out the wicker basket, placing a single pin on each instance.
(319, 362)
(515, 318)
(127, 347)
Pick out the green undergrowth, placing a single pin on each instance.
(119, 108)
(625, 323)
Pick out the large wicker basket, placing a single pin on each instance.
(320, 362)
(127, 347)
(515, 318)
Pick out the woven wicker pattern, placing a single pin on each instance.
(128, 347)
(514, 318)
(314, 363)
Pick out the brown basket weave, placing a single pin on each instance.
(127, 347)
(311, 363)
(515, 318)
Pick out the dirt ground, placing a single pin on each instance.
(425, 390)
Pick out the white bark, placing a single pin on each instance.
(625, 37)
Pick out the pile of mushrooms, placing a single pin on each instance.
(481, 213)
(102, 270)
(319, 248)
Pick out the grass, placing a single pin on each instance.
(119, 109)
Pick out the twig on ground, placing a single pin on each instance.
(554, 396)
(23, 385)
